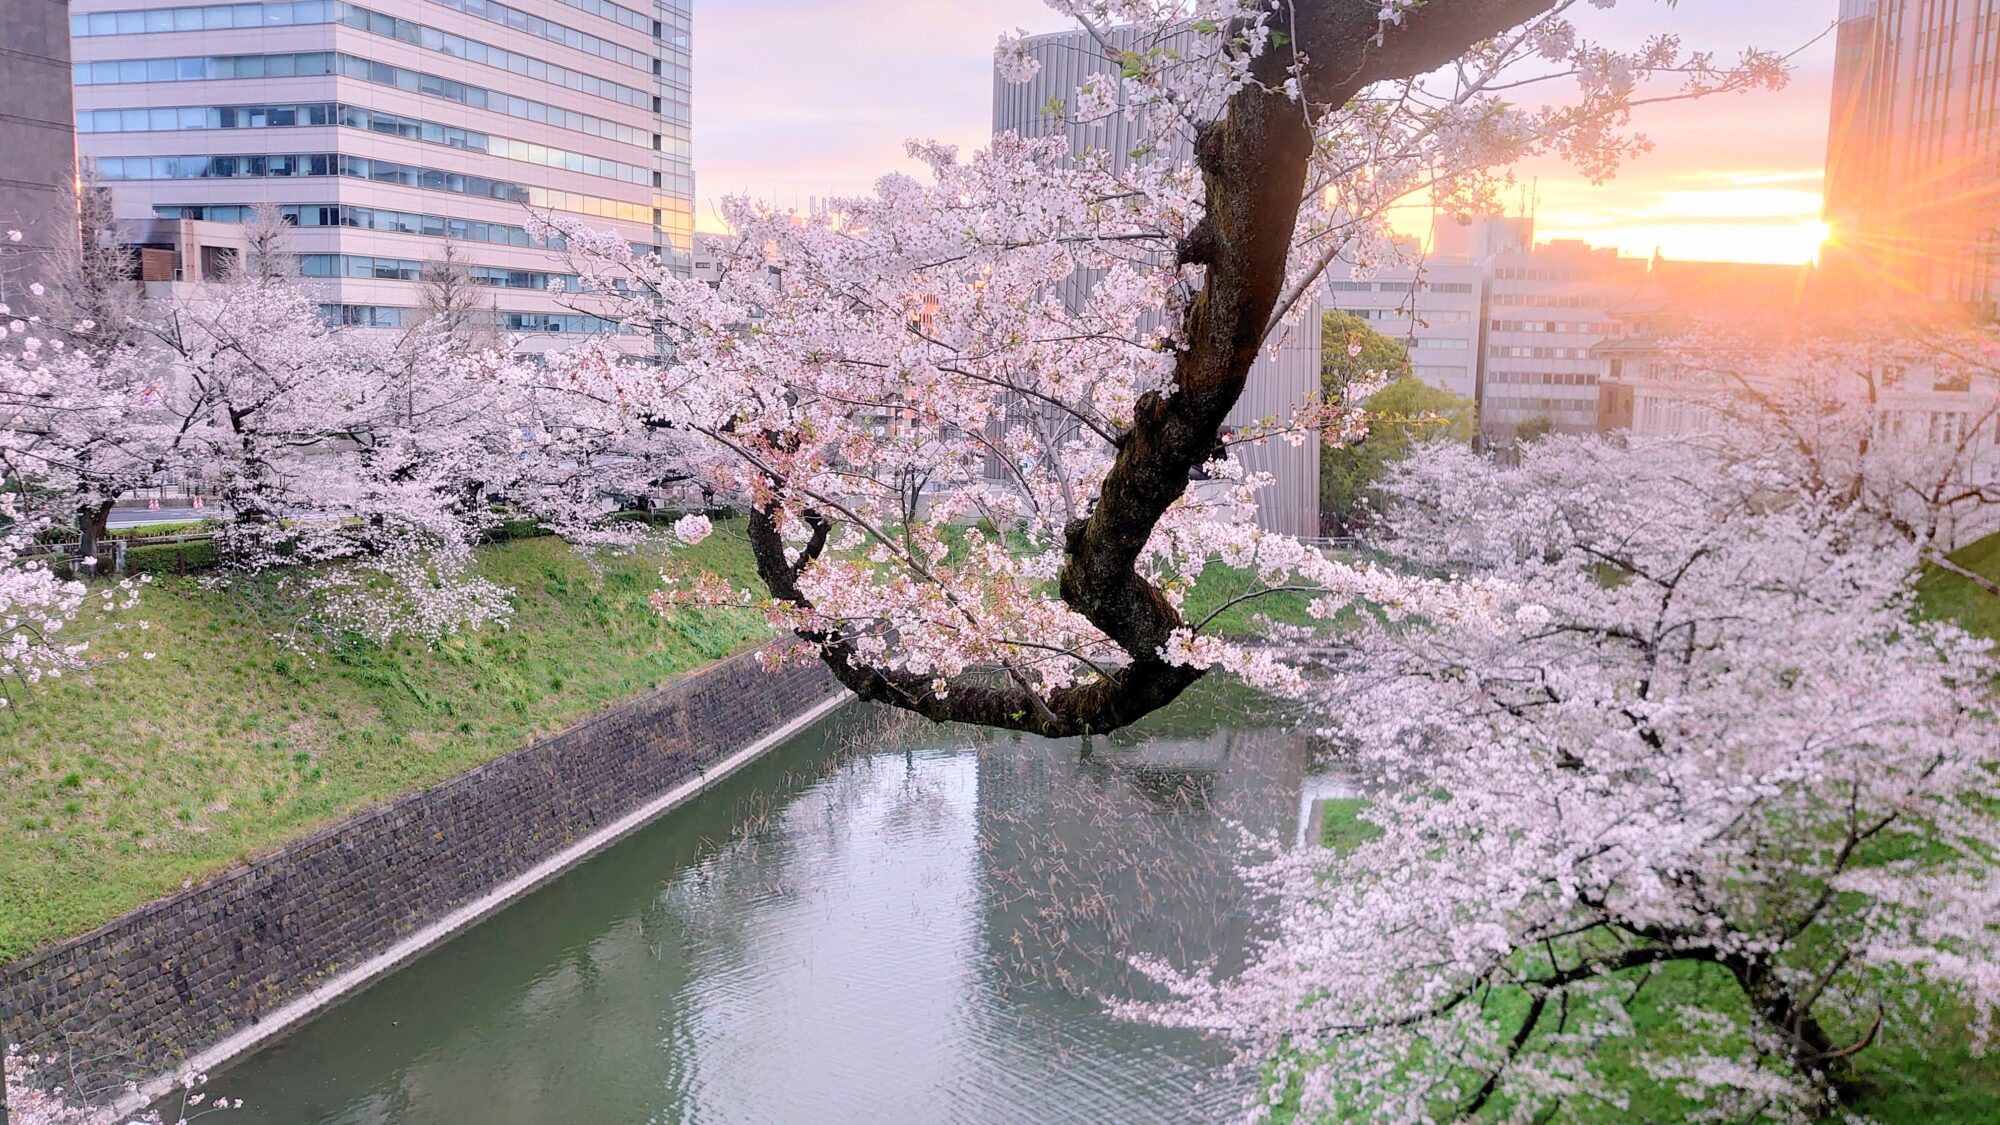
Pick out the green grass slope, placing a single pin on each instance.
(118, 786)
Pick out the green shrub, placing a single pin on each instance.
(510, 530)
(172, 558)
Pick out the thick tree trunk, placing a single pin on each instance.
(1808, 1047)
(1254, 161)
(93, 523)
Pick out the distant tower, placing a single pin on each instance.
(1288, 369)
(1913, 152)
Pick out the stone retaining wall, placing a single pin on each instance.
(135, 997)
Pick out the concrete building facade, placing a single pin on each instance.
(1546, 308)
(385, 131)
(38, 136)
(1430, 304)
(1288, 370)
(1913, 152)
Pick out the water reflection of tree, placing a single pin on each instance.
(1094, 853)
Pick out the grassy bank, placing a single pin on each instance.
(118, 786)
(1944, 594)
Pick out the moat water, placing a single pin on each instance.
(878, 921)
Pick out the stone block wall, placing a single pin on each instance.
(135, 997)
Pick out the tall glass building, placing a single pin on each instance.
(387, 129)
(1913, 154)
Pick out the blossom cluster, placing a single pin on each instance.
(1702, 726)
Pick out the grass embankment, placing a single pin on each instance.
(1947, 595)
(119, 785)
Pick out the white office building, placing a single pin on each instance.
(385, 129)
(1430, 304)
(1546, 309)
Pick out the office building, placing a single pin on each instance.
(38, 136)
(1429, 302)
(384, 130)
(1287, 371)
(1547, 307)
(1643, 385)
(1913, 153)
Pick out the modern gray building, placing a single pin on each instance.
(1547, 307)
(38, 138)
(385, 129)
(1287, 372)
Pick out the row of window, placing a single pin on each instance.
(406, 269)
(354, 117)
(1542, 301)
(553, 32)
(1504, 351)
(1399, 286)
(1426, 317)
(458, 46)
(396, 222)
(390, 316)
(362, 218)
(1583, 327)
(318, 63)
(1514, 273)
(284, 165)
(292, 13)
(1438, 343)
(1545, 378)
(1439, 372)
(634, 20)
(1534, 404)
(222, 17)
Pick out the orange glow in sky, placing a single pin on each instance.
(1733, 219)
(796, 99)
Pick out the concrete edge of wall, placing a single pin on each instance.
(347, 982)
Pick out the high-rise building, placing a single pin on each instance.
(1287, 372)
(1431, 307)
(38, 136)
(384, 130)
(1913, 152)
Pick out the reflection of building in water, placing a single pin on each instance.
(1127, 846)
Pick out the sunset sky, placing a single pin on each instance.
(802, 98)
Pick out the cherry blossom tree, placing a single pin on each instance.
(327, 445)
(1702, 812)
(1893, 414)
(55, 403)
(862, 372)
(32, 1105)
